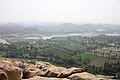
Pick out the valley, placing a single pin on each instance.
(92, 51)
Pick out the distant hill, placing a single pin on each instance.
(16, 29)
(46, 28)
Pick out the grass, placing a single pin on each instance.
(88, 56)
(64, 43)
(2, 52)
(77, 46)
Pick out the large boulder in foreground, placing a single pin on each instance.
(45, 78)
(85, 76)
(8, 71)
(3, 75)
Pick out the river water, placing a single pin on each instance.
(3, 41)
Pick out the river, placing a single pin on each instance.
(3, 41)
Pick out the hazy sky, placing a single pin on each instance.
(90, 11)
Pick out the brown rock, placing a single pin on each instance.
(45, 78)
(60, 72)
(84, 76)
(69, 72)
(12, 72)
(3, 75)
(9, 61)
(30, 71)
(9, 70)
(51, 71)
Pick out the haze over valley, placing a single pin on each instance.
(59, 39)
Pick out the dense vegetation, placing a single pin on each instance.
(109, 69)
(64, 51)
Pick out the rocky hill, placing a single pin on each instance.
(57, 28)
(16, 29)
(20, 70)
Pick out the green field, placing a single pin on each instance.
(88, 56)
(64, 43)
(2, 52)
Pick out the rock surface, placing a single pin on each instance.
(12, 69)
(84, 76)
(3, 75)
(30, 71)
(45, 78)
(59, 72)
(8, 71)
(51, 72)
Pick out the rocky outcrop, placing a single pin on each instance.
(45, 78)
(48, 70)
(51, 72)
(59, 72)
(30, 71)
(11, 69)
(3, 75)
(10, 61)
(83, 76)
(70, 71)
(8, 71)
